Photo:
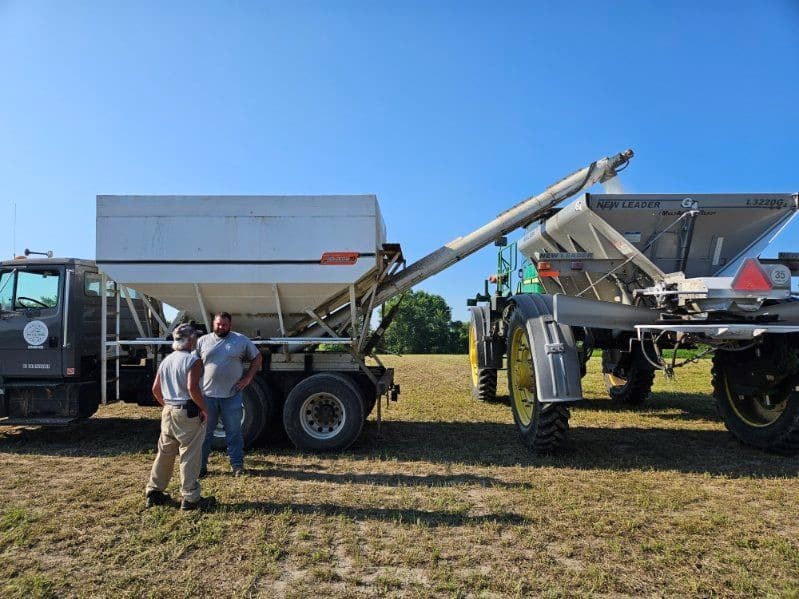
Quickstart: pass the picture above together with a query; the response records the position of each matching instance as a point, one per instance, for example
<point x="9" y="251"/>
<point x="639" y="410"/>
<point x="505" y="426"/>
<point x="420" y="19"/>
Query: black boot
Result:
<point x="155" y="497"/>
<point x="203" y="504"/>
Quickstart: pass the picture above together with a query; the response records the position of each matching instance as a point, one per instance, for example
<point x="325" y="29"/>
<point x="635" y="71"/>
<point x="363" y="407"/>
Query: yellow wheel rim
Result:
<point x="473" y="355"/>
<point x="522" y="377"/>
<point x="757" y="411"/>
<point x="611" y="380"/>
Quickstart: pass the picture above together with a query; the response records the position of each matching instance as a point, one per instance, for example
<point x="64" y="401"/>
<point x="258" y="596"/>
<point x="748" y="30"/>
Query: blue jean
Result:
<point x="230" y="409"/>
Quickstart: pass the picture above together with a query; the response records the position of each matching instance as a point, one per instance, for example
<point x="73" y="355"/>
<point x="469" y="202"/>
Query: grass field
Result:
<point x="443" y="500"/>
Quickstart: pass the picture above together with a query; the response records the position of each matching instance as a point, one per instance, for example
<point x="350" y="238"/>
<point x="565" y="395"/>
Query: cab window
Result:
<point x="25" y="289"/>
<point x="91" y="286"/>
<point x="7" y="290"/>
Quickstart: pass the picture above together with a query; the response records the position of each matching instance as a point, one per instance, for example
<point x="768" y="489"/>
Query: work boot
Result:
<point x="238" y="471"/>
<point x="202" y="504"/>
<point x="155" y="497"/>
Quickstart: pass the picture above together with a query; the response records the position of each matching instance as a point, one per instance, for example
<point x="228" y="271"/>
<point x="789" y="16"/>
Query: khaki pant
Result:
<point x="184" y="436"/>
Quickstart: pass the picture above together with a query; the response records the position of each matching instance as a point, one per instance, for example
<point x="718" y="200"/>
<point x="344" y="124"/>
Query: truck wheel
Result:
<point x="483" y="380"/>
<point x="627" y="383"/>
<point x="258" y="404"/>
<point x="543" y="427"/>
<point x="755" y="411"/>
<point x="324" y="412"/>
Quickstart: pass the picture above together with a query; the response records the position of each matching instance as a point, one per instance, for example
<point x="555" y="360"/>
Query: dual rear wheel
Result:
<point x="323" y="412"/>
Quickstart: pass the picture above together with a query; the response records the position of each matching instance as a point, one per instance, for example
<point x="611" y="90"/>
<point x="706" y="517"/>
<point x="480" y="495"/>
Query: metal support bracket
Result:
<point x="202" y="307"/>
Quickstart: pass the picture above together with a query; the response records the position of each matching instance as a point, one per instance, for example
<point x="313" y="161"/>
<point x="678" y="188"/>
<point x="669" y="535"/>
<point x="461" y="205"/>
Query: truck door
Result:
<point x="31" y="321"/>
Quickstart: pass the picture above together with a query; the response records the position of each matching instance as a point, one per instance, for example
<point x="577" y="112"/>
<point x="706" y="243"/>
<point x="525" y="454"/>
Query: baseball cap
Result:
<point x="183" y="331"/>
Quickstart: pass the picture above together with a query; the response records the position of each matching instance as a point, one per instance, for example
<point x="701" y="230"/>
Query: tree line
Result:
<point x="423" y="325"/>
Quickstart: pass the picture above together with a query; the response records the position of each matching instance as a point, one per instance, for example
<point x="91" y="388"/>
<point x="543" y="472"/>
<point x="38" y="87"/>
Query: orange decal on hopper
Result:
<point x="339" y="258"/>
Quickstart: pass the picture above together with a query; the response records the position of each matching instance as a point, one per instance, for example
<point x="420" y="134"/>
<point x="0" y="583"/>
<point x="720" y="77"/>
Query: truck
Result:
<point x="50" y="340"/>
<point x="638" y="277"/>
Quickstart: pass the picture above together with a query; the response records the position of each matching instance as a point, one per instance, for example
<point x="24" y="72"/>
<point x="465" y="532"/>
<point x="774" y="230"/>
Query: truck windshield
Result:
<point x="22" y="289"/>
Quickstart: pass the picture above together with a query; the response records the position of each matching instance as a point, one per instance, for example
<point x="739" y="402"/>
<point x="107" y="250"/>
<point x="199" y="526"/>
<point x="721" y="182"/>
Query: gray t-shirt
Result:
<point x="174" y="374"/>
<point x="224" y="359"/>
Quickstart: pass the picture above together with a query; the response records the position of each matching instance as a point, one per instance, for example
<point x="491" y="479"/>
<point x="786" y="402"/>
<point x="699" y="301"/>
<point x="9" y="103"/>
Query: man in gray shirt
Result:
<point x="223" y="353"/>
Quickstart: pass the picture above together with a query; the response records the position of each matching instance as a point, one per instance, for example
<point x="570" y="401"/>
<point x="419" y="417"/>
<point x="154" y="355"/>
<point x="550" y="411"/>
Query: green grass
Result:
<point x="441" y="499"/>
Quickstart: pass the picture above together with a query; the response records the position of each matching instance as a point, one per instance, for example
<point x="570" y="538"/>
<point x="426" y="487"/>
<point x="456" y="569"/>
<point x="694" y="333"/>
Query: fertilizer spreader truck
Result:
<point x="632" y="276"/>
<point x="300" y="273"/>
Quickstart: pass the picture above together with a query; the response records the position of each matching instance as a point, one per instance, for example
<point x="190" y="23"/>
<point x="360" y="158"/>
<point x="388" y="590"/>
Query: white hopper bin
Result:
<point x="244" y="254"/>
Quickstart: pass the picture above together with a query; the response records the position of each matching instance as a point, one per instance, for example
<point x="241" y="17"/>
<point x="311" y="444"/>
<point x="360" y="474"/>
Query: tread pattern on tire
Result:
<point x="486" y="389"/>
<point x="636" y="390"/>
<point x="553" y="428"/>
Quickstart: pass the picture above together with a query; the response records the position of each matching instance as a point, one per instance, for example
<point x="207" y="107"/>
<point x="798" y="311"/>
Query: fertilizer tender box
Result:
<point x="274" y="263"/>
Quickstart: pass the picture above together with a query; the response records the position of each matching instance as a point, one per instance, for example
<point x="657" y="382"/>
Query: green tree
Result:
<point x="423" y="325"/>
<point x="459" y="337"/>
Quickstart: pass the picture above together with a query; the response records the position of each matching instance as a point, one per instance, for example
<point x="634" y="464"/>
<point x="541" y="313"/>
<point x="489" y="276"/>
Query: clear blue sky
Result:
<point x="449" y="111"/>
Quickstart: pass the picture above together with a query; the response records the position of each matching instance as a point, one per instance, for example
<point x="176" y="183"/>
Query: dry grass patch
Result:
<point x="442" y="500"/>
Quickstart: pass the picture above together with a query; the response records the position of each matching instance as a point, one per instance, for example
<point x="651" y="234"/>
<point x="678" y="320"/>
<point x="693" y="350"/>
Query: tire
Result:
<point x="543" y="427"/>
<point x="258" y="405"/>
<point x="483" y="380"/>
<point x="628" y="383"/>
<point x="757" y="412"/>
<point x="324" y="412"/>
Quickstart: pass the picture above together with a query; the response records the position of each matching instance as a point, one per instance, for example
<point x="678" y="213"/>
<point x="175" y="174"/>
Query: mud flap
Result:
<point x="555" y="359"/>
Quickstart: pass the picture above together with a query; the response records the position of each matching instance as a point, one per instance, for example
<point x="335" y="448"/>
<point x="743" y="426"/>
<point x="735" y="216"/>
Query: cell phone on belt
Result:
<point x="192" y="409"/>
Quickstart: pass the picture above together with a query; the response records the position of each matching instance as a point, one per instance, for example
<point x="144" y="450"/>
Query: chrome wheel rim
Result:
<point x="323" y="415"/>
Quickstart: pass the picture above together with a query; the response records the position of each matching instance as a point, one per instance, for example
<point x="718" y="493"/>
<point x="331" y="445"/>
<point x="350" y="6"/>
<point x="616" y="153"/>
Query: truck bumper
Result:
<point x="47" y="399"/>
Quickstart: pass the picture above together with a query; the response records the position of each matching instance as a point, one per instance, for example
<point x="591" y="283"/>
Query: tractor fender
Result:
<point x="489" y="350"/>
<point x="554" y="351"/>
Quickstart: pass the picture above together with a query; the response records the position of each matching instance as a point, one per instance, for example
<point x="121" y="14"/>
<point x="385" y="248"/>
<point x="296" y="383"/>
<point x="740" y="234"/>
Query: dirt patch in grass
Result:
<point x="441" y="500"/>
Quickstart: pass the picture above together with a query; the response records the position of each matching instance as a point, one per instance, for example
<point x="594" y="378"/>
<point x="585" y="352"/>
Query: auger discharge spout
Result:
<point x="520" y="215"/>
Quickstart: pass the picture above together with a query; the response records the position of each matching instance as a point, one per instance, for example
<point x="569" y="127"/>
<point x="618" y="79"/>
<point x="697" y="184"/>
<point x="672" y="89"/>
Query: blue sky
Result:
<point x="449" y="111"/>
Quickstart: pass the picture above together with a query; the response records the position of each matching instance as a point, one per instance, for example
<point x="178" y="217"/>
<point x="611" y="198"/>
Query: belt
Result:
<point x="182" y="406"/>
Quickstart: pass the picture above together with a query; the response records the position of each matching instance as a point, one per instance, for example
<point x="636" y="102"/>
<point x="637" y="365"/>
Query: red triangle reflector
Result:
<point x="751" y="277"/>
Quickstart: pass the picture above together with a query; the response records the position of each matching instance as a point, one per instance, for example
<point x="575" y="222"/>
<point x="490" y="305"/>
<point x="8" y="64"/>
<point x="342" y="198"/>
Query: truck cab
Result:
<point x="50" y="345"/>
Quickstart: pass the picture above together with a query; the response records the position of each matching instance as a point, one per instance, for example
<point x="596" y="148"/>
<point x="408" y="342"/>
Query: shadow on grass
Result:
<point x="384" y="480"/>
<point x="484" y="444"/>
<point x="713" y="452"/>
<point x="690" y="407"/>
<point x="409" y="516"/>
<point x="85" y="438"/>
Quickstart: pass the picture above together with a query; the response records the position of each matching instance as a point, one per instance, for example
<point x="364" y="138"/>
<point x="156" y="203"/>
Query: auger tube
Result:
<point x="518" y="216"/>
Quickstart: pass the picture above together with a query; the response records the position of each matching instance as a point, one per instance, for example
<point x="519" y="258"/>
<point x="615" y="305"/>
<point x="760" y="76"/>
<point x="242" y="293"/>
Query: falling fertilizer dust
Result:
<point x="613" y="185"/>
